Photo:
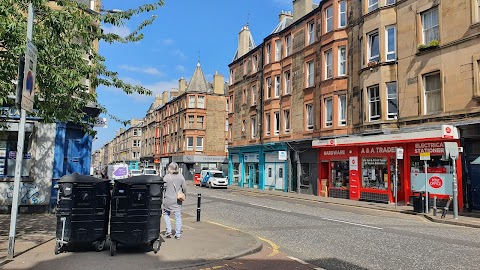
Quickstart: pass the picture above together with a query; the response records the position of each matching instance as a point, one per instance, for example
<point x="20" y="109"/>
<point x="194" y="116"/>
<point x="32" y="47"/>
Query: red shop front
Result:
<point x="337" y="176"/>
<point x="363" y="168"/>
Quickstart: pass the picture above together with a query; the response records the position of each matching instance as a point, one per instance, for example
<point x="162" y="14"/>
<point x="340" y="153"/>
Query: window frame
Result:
<point x="254" y="95"/>
<point x="255" y="63"/>
<point x="277" y="90"/>
<point x="278" y="50"/>
<point x="342" y="110"/>
<point x="373" y="58"/>
<point x="309" y="113"/>
<point x="311" y="32"/>
<point x="310" y="74"/>
<point x="288" y="45"/>
<point x="423" y="18"/>
<point x="191" y="124"/>
<point x="391" y="115"/>
<point x="287" y="82"/>
<point x="286" y="121"/>
<point x="342" y="61"/>
<point x="425" y="99"/>
<point x="328" y="63"/>
<point x="201" y="105"/>
<point x="197" y="146"/>
<point x="202" y="118"/>
<point x="190" y="102"/>
<point x="328" y="102"/>
<point x="190" y="147"/>
<point x="267" y="124"/>
<point x="372" y="5"/>
<point x="268" y="84"/>
<point x="329" y="19"/>
<point x="253" y="127"/>
<point x="276" y="123"/>
<point x="387" y="43"/>
<point x="340" y="13"/>
<point x="268" y="54"/>
<point x="226" y="124"/>
<point x="375" y="100"/>
<point x="390" y="2"/>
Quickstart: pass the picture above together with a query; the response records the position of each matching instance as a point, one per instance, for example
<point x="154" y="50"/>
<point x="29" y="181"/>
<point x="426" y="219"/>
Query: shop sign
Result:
<point x="374" y="161"/>
<point x="425" y="156"/>
<point x="399" y="153"/>
<point x="336" y="152"/>
<point x="438" y="183"/>
<point x="433" y="148"/>
<point x="250" y="157"/>
<point x="435" y="182"/>
<point x="282" y="155"/>
<point x="378" y="150"/>
<point x="353" y="163"/>
<point x="447" y="131"/>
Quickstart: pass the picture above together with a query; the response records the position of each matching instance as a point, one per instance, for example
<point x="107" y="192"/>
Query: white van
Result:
<point x="213" y="178"/>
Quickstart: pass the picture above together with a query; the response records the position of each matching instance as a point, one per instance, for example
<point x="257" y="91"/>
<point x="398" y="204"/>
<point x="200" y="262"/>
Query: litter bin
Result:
<point x="136" y="211"/>
<point x="419" y="201"/>
<point x="82" y="211"/>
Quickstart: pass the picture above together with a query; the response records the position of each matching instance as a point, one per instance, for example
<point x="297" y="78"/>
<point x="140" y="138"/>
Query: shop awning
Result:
<point x="445" y="132"/>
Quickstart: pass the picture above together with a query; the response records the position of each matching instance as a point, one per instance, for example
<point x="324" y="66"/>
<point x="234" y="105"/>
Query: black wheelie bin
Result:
<point x="83" y="207"/>
<point x="136" y="211"/>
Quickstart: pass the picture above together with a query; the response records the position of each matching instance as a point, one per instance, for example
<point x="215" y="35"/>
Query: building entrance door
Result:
<point x="280" y="176"/>
<point x="269" y="175"/>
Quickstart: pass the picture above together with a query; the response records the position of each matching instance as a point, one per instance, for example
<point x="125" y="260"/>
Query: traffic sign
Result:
<point x="425" y="156"/>
<point x="29" y="72"/>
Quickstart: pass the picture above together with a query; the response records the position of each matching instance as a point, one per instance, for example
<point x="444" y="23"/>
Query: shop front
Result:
<point x="275" y="170"/>
<point x="366" y="167"/>
<point x="334" y="171"/>
<point x="251" y="172"/>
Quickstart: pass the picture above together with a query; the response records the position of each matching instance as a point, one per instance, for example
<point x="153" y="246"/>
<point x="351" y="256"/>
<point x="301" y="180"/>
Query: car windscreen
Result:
<point x="135" y="172"/>
<point x="218" y="175"/>
<point x="150" y="172"/>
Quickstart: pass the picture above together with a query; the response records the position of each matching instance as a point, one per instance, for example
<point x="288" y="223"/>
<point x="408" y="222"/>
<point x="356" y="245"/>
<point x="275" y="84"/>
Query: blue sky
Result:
<point x="170" y="49"/>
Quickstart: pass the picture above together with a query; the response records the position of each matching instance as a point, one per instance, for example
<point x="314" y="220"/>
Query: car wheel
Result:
<point x="209" y="185"/>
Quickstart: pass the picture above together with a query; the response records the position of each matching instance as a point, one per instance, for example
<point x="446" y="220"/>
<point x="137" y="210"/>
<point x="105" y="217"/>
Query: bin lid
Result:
<point x="142" y="179"/>
<point x="79" y="178"/>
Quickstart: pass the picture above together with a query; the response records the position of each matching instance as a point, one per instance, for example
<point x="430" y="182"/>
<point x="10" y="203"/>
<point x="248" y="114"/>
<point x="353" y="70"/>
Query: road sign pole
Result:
<point x="455" y="189"/>
<point x="19" y="157"/>
<point x="426" y="184"/>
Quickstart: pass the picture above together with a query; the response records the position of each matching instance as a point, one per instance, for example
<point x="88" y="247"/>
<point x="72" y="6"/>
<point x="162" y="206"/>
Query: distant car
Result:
<point x="135" y="173"/>
<point x="213" y="178"/>
<point x="149" y="172"/>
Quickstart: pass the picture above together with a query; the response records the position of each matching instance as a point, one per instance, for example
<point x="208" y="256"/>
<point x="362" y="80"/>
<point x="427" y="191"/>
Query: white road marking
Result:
<point x="352" y="223"/>
<point x="287" y="211"/>
<point x="304" y="263"/>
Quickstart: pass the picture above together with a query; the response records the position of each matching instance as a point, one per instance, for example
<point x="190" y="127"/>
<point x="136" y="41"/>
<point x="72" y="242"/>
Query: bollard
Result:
<point x="434" y="206"/>
<point x="199" y="203"/>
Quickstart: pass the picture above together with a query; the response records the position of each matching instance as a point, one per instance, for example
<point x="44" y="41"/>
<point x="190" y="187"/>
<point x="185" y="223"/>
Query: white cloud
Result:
<point x="180" y="54"/>
<point x="168" y="41"/>
<point x="122" y="31"/>
<point x="146" y="70"/>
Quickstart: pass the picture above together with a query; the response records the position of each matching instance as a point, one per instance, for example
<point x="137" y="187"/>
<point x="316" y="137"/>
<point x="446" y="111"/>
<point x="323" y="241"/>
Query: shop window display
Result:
<point x="339" y="174"/>
<point x="375" y="173"/>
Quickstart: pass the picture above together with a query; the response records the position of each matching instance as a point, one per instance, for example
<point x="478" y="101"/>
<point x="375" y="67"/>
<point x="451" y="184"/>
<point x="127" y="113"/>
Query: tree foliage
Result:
<point x="66" y="34"/>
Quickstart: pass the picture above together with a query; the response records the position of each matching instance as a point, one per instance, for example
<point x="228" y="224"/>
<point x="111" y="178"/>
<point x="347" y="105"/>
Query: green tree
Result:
<point x="66" y="33"/>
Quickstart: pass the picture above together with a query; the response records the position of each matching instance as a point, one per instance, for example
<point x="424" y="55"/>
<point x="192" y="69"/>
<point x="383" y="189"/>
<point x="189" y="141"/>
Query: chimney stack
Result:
<point x="284" y="14"/>
<point x="218" y="84"/>
<point x="301" y="8"/>
<point x="182" y="85"/>
<point x="244" y="41"/>
<point x="165" y="97"/>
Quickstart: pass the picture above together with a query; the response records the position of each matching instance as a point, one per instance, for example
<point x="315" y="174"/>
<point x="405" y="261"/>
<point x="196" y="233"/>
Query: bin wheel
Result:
<point x="58" y="248"/>
<point x="113" y="248"/>
<point x="99" y="245"/>
<point x="156" y="246"/>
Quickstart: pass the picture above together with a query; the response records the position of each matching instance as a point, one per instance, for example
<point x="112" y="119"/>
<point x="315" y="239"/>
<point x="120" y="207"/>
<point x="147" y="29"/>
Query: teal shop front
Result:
<point x="259" y="167"/>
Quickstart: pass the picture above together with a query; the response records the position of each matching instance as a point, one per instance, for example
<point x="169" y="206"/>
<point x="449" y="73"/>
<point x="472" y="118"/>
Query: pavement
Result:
<point x="202" y="243"/>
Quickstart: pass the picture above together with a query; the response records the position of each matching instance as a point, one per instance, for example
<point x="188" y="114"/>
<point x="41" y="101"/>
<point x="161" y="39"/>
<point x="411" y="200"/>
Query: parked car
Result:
<point x="213" y="178"/>
<point x="135" y="172"/>
<point x="149" y="171"/>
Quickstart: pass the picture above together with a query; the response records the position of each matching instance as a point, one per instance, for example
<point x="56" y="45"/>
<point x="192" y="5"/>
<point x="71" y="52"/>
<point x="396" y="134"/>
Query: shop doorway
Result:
<point x="280" y="175"/>
<point x="274" y="176"/>
<point x="474" y="175"/>
<point x="251" y="176"/>
<point x="270" y="175"/>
